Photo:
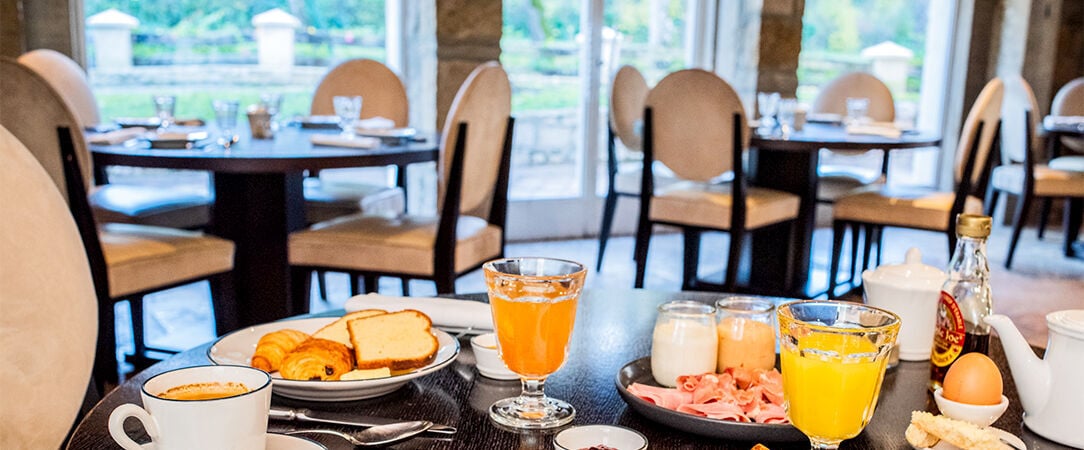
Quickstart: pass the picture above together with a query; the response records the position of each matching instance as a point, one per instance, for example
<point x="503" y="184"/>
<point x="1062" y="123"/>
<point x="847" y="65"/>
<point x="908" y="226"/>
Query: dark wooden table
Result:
<point x="1074" y="207"/>
<point x="612" y="328"/>
<point x="789" y="163"/>
<point x="259" y="200"/>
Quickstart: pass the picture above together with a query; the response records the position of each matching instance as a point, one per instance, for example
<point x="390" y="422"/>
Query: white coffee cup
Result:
<point x="236" y="421"/>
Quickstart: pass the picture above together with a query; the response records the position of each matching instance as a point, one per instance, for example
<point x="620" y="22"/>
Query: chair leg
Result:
<point x="1074" y="215"/>
<point x="301" y="288"/>
<point x="737" y="238"/>
<point x="406" y="286"/>
<point x="1044" y="212"/>
<point x="690" y="260"/>
<point x="372" y="284"/>
<point x="225" y="303"/>
<point x="445" y="283"/>
<point x="1022" y="205"/>
<point x="878" y="238"/>
<point x="138" y="359"/>
<point x="105" y="357"/>
<point x="643" y="238"/>
<point x="872" y="235"/>
<point x="321" y="284"/>
<point x="838" y="228"/>
<point x="990" y="203"/>
<point x="604" y="229"/>
<point x="854" y="250"/>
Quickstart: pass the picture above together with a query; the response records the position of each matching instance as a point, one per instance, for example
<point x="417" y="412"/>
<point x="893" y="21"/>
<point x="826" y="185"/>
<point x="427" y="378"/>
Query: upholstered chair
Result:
<point x="1022" y="174"/>
<point x="1069" y="101"/>
<point x="837" y="179"/>
<point x="468" y="230"/>
<point x="129" y="261"/>
<point x="182" y="206"/>
<point x="628" y="91"/>
<point x="878" y="206"/>
<point x="49" y="319"/>
<point x="695" y="125"/>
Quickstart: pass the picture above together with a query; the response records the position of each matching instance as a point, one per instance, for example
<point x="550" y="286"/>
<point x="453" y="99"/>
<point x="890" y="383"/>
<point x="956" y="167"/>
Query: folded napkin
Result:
<point x="375" y="123"/>
<point x="337" y="140"/>
<point x="115" y="136"/>
<point x="875" y="130"/>
<point x="444" y="312"/>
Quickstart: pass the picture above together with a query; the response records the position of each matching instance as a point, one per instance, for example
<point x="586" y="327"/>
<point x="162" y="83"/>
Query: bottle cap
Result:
<point x="973" y="225"/>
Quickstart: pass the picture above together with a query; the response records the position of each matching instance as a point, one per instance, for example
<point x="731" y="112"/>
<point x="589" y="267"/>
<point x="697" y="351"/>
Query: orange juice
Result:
<point x="533" y="332"/>
<point x="829" y="396"/>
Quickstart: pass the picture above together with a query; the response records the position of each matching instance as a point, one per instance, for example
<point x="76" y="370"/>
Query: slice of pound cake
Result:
<point x="399" y="340"/>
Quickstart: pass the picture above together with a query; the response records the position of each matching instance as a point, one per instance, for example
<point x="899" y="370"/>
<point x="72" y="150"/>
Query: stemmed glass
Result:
<point x="163" y="109"/>
<point x="833" y="356"/>
<point x="226" y="120"/>
<point x="348" y="108"/>
<point x="767" y="104"/>
<point x="786" y="109"/>
<point x="534" y="308"/>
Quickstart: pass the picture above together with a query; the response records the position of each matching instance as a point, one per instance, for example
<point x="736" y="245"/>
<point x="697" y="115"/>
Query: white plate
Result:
<point x="277" y="441"/>
<point x="238" y="347"/>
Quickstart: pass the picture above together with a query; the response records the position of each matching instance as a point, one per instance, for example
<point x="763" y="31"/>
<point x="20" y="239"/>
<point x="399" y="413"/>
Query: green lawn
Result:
<point x="196" y="102"/>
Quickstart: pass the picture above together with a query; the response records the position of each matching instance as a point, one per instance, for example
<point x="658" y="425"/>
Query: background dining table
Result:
<point x="613" y="328"/>
<point x="1055" y="129"/>
<point x="789" y="163"/>
<point x="259" y="199"/>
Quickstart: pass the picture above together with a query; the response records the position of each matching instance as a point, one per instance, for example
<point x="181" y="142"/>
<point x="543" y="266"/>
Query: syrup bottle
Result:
<point x="965" y="299"/>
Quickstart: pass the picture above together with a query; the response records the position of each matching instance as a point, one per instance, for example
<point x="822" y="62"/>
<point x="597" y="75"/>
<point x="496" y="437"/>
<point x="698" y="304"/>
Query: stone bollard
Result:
<point x="275" y="39"/>
<point x="111" y="33"/>
<point x="890" y="62"/>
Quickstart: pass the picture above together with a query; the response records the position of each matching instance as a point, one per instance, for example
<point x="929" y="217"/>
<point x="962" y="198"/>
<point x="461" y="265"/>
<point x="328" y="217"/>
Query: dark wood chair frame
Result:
<point x="106" y="368"/>
<point x="691" y="234"/>
<point x="444" y="273"/>
<point x="612" y="194"/>
<point x="874" y="232"/>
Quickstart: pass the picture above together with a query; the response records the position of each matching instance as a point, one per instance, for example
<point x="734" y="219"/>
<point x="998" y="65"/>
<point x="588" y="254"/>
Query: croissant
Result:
<point x="317" y="359"/>
<point x="274" y="346"/>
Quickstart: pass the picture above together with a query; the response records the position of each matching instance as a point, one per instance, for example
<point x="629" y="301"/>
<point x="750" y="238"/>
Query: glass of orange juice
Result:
<point x="534" y="307"/>
<point x="833" y="356"/>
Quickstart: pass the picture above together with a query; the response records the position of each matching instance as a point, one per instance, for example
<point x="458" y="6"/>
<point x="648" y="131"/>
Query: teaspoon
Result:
<point x="377" y="435"/>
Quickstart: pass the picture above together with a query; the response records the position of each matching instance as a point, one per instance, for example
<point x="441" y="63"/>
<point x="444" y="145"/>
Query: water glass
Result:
<point x="746" y="329"/>
<point x="534" y="308"/>
<point x="348" y="108"/>
<point x="785" y="110"/>
<point x="767" y="105"/>
<point x="226" y="120"/>
<point x="857" y="110"/>
<point x="833" y="356"/>
<point x="163" y="109"/>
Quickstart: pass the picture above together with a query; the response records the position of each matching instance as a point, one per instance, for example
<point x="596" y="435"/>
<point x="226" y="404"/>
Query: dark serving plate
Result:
<point x="639" y="371"/>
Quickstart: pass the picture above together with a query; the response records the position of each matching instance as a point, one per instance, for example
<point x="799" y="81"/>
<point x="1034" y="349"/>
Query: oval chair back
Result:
<point x="69" y="79"/>
<point x="628" y="94"/>
<point x="833" y="96"/>
<point x="382" y="92"/>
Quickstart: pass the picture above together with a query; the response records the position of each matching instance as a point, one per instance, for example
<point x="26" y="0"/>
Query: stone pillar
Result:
<point x="275" y="39"/>
<point x="890" y="62"/>
<point x="780" y="44"/>
<point x="111" y="33"/>
<point x="468" y="34"/>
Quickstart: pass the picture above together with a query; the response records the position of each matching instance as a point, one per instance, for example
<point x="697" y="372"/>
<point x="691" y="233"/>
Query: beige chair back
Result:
<point x="627" y="97"/>
<point x="1015" y="138"/>
<point x="32" y="110"/>
<point x="985" y="110"/>
<point x="693" y="122"/>
<point x="69" y="79"/>
<point x="833" y="97"/>
<point x="484" y="103"/>
<point x="1069" y="101"/>
<point x="382" y="93"/>
<point x="48" y="307"/>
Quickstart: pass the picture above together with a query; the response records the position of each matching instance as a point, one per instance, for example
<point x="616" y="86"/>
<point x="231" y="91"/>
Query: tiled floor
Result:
<point x="1042" y="279"/>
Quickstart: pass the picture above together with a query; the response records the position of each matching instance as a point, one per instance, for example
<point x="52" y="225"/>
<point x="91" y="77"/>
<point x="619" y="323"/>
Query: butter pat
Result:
<point x="366" y="374"/>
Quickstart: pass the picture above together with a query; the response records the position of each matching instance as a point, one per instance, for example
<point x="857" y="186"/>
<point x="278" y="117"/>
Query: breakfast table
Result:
<point x="259" y="200"/>
<point x="789" y="163"/>
<point x="613" y="329"/>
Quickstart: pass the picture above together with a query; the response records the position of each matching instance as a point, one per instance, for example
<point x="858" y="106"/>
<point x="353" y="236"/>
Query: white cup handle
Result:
<point x="116" y="425"/>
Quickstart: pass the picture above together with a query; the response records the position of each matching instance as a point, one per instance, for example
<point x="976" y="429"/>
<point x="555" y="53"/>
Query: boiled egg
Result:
<point x="973" y="379"/>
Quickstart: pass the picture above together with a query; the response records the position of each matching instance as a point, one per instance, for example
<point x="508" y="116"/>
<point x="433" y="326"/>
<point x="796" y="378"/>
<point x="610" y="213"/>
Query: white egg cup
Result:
<point x="584" y="436"/>
<point x="981" y="415"/>
<point x="487" y="360"/>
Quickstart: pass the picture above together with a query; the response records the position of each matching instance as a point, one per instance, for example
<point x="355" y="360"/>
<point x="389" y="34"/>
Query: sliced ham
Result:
<point x="770" y="413"/>
<point x="717" y="410"/>
<point x="664" y="397"/>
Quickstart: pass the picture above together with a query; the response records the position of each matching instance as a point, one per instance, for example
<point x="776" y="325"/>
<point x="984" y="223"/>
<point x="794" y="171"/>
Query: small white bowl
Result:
<point x="585" y="436"/>
<point x="981" y="415"/>
<point x="487" y="360"/>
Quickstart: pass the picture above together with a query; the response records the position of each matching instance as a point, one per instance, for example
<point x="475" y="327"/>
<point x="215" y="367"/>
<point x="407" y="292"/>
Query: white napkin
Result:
<point x="875" y="130"/>
<point x="444" y="312"/>
<point x="374" y="123"/>
<point x="336" y="140"/>
<point x="115" y="136"/>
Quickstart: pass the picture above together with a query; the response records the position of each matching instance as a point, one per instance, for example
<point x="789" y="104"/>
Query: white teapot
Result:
<point x="1050" y="389"/>
<point x="910" y="290"/>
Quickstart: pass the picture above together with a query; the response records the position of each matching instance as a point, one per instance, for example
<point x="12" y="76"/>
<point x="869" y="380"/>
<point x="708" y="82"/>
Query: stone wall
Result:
<point x="468" y="34"/>
<point x="780" y="43"/>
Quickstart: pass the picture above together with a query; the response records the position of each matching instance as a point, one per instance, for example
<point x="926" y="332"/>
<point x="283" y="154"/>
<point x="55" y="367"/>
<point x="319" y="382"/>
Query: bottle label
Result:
<point x="948" y="340"/>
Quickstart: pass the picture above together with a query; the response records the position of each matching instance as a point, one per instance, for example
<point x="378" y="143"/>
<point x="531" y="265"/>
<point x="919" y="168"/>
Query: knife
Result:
<point x="338" y="418"/>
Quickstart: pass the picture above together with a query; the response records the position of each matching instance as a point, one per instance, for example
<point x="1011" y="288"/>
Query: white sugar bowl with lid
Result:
<point x="912" y="290"/>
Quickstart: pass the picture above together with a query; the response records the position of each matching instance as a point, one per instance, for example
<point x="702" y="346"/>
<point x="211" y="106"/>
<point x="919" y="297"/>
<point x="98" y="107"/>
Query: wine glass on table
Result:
<point x="226" y="120"/>
<point x="348" y="108"/>
<point x="833" y="356"/>
<point x="534" y="308"/>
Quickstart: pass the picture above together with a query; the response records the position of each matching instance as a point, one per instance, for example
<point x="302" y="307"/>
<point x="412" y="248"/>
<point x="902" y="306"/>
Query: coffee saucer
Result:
<point x="283" y="442"/>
